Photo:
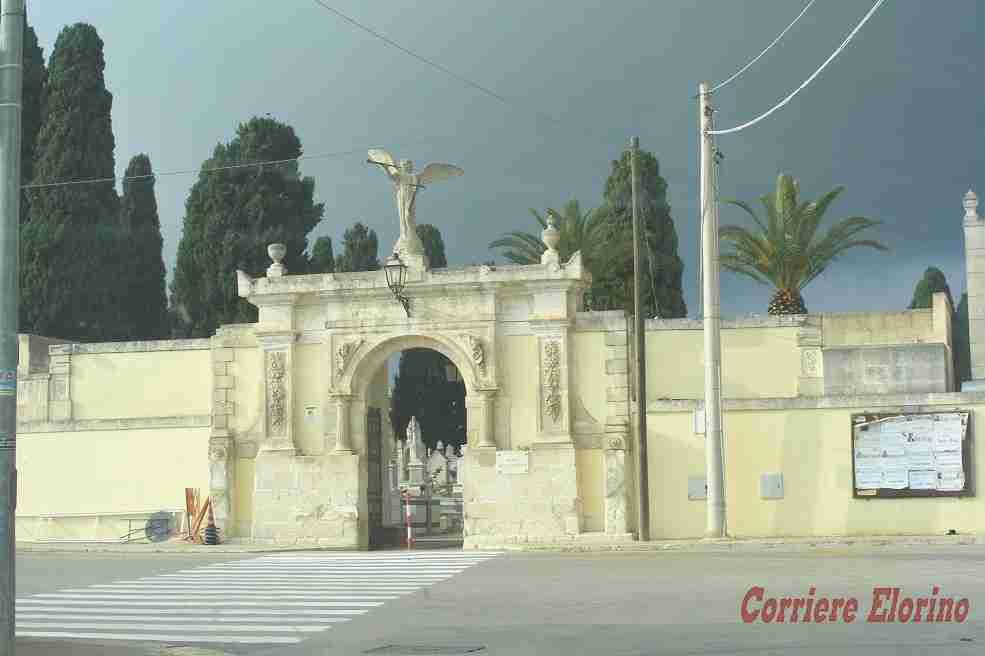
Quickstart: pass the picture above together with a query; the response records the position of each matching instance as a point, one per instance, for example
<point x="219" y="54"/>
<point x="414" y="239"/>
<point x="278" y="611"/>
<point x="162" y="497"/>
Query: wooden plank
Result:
<point x="199" y="518"/>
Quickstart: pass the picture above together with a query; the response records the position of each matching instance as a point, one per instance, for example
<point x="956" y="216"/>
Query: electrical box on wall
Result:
<point x="771" y="486"/>
<point x="697" y="487"/>
<point x="699" y="422"/>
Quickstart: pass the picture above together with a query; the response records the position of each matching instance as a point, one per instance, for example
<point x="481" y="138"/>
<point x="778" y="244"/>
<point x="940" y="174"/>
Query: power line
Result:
<point x="258" y="163"/>
<point x="429" y="62"/>
<point x="807" y="81"/>
<point x="65" y="183"/>
<point x="757" y="57"/>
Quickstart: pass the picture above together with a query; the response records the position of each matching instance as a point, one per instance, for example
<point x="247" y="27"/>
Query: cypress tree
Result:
<point x="69" y="239"/>
<point x="360" y="250"/>
<point x="434" y="245"/>
<point x="35" y="84"/>
<point x="662" y="269"/>
<point x="322" y="257"/>
<point x="231" y="216"/>
<point x="143" y="303"/>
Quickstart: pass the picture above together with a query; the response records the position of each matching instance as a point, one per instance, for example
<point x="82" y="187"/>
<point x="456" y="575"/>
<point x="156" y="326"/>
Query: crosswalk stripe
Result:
<point x="197" y="594"/>
<point x="274" y="599"/>
<point x="243" y="612"/>
<point x="162" y="637"/>
<point x="190" y="628"/>
<point x="232" y="588"/>
<point x="188" y="619"/>
<point x="285" y="604"/>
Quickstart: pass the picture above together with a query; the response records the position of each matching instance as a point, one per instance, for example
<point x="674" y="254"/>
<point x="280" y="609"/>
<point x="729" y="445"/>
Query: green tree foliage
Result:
<point x="322" y="257"/>
<point x="961" y="342"/>
<point x="68" y="242"/>
<point x="785" y="250"/>
<point x="360" y="249"/>
<point x="434" y="245"/>
<point x="933" y="281"/>
<point x="662" y="269"/>
<point x="143" y="301"/>
<point x="582" y="232"/>
<point x="35" y="85"/>
<point x="422" y="389"/>
<point x="231" y="216"/>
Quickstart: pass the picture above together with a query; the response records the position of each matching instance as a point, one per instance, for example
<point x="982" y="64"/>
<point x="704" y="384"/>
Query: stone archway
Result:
<point x="514" y="333"/>
<point x="357" y="364"/>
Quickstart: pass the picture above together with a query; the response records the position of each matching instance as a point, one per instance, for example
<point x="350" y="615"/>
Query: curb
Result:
<point x="734" y="545"/>
<point x="696" y="546"/>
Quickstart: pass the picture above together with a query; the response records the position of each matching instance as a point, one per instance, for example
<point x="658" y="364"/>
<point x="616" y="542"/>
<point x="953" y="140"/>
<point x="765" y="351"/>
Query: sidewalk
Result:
<point x="580" y="544"/>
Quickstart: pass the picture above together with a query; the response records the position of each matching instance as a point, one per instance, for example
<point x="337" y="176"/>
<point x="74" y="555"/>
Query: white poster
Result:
<point x="892" y="444"/>
<point x="923" y="480"/>
<point x="917" y="452"/>
<point x="920" y="461"/>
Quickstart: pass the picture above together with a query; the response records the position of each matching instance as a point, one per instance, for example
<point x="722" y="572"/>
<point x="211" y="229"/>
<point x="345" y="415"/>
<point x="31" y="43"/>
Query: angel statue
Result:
<point x="407" y="183"/>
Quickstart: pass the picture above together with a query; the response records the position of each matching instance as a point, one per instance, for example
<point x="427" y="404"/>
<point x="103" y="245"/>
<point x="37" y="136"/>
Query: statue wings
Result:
<point x="383" y="157"/>
<point x="438" y="172"/>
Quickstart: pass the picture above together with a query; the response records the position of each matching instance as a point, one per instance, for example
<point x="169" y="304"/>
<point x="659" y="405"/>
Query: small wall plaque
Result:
<point x="512" y="462"/>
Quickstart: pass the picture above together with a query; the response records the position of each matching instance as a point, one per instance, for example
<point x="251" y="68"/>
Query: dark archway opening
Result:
<point x="423" y="384"/>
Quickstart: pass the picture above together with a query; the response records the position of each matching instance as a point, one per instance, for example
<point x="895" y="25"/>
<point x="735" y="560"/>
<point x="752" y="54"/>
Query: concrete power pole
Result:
<point x="11" y="57"/>
<point x="714" y="471"/>
<point x="640" y="349"/>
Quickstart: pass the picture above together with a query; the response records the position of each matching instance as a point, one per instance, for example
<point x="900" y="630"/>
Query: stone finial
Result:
<point x="970" y="206"/>
<point x="276" y="253"/>
<point x="551" y="237"/>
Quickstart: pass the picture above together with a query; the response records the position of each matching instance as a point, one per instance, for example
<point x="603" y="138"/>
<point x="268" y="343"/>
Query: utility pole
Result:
<point x="11" y="56"/>
<point x="640" y="349"/>
<point x="714" y="471"/>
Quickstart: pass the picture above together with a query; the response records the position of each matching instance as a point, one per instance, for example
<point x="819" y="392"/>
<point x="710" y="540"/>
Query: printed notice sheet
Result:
<point x="916" y="452"/>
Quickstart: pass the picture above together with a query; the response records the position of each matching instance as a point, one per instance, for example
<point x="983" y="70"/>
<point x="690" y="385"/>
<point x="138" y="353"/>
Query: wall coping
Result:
<point x="824" y="402"/>
<point x="132" y="347"/>
<point x="121" y="423"/>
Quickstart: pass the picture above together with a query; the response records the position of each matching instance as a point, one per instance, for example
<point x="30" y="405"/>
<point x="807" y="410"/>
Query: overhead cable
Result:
<point x="807" y="81"/>
<point x="427" y="61"/>
<point x="757" y="57"/>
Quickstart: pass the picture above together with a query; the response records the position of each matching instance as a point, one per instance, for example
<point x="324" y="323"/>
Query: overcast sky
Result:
<point x="897" y="118"/>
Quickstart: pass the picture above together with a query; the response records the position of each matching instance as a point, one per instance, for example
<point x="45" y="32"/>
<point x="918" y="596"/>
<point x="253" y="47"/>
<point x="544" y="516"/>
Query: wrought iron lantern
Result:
<point x="396" y="278"/>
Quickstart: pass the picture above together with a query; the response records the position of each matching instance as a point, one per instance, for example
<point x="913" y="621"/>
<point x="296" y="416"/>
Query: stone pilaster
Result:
<point x="221" y="478"/>
<point x="617" y="378"/>
<point x="221" y="481"/>
<point x="487" y="430"/>
<point x="278" y="351"/>
<point x="60" y="390"/>
<point x="343" y="427"/>
<point x="974" y="250"/>
<point x="616" y="489"/>
<point x="809" y="341"/>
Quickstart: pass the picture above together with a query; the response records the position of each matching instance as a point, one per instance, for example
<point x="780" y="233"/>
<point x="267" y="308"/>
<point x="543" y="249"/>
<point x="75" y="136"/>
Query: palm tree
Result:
<point x="785" y="251"/>
<point x="580" y="232"/>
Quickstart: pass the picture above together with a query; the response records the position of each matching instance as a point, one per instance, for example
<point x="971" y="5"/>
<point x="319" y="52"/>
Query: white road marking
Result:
<point x="254" y="601"/>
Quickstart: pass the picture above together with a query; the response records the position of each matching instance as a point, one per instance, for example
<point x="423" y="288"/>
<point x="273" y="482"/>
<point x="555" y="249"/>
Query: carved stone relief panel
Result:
<point x="551" y="369"/>
<point x="344" y="353"/>
<point x="477" y="353"/>
<point x="276" y="393"/>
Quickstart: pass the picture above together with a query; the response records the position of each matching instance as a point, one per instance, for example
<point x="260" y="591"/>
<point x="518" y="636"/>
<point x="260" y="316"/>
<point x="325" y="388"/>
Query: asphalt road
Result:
<point x="446" y="602"/>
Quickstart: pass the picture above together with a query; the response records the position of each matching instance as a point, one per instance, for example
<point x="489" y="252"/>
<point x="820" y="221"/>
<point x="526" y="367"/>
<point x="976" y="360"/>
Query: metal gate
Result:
<point x="374" y="497"/>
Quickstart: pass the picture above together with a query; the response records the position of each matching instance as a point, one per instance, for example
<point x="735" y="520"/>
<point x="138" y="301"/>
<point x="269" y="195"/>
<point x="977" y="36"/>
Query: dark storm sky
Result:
<point x="897" y="118"/>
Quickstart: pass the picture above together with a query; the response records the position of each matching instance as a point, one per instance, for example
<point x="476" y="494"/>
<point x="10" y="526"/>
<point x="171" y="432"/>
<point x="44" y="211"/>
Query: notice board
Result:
<point x="922" y="454"/>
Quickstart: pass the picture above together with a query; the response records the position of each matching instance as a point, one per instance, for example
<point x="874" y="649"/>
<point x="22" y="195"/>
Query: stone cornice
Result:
<point x="124" y="423"/>
<point x="132" y="347"/>
<point x="275" y="338"/>
<point x="908" y="401"/>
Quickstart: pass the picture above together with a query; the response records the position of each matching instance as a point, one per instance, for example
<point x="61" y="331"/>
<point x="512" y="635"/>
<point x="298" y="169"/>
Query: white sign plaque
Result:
<point x="512" y="462"/>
